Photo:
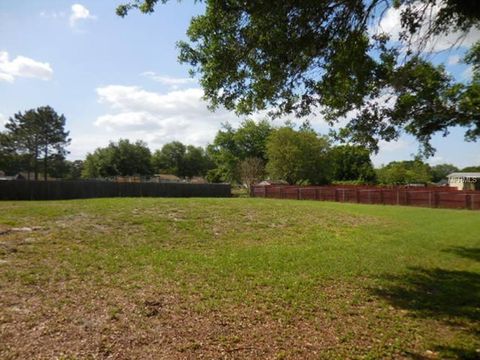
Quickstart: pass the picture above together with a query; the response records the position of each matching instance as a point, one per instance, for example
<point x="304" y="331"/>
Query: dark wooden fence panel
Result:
<point x="427" y="197"/>
<point x="307" y="194"/>
<point x="327" y="194"/>
<point x="453" y="200"/>
<point x="61" y="190"/>
<point x="475" y="201"/>
<point x="420" y="198"/>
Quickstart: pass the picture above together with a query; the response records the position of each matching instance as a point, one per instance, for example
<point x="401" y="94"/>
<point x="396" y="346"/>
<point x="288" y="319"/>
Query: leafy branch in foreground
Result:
<point x="299" y="58"/>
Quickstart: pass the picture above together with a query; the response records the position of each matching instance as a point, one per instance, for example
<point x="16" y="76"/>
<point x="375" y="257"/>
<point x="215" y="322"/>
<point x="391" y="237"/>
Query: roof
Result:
<point x="198" y="180"/>
<point x="272" y="182"/>
<point x="464" y="175"/>
<point x="167" y="177"/>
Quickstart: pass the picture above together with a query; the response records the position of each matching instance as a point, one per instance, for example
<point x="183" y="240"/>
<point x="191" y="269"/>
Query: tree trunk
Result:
<point x="45" y="163"/>
<point x="35" y="161"/>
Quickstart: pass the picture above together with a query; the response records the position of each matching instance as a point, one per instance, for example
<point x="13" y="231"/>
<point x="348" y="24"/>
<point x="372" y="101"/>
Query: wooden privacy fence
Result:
<point x="60" y="190"/>
<point x="428" y="197"/>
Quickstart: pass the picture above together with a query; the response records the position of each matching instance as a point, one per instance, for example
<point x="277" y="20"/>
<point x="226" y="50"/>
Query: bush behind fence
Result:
<point x="81" y="189"/>
<point x="427" y="197"/>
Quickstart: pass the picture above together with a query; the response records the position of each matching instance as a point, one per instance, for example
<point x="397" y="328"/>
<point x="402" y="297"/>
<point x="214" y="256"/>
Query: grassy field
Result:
<point x="237" y="278"/>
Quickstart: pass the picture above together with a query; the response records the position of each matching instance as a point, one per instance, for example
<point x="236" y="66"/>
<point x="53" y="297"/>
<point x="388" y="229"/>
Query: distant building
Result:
<point x="19" y="176"/>
<point x="128" y="179"/>
<point x="272" y="182"/>
<point x="198" y="180"/>
<point x="464" y="180"/>
<point x="443" y="182"/>
<point x="166" y="178"/>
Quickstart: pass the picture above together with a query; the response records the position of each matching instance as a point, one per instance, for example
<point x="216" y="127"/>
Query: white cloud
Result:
<point x="127" y="121"/>
<point x="435" y="160"/>
<point x="80" y="12"/>
<point x="52" y="14"/>
<point x="6" y="77"/>
<point x="454" y="60"/>
<point x="168" y="80"/>
<point x="402" y="149"/>
<point x="159" y="118"/>
<point x="391" y="24"/>
<point x="23" y="66"/>
<point x="391" y="146"/>
<point x="84" y="143"/>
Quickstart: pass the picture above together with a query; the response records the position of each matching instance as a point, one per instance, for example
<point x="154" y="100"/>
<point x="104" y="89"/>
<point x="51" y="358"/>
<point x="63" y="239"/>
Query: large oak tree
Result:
<point x="232" y="146"/>
<point x="122" y="158"/>
<point x="298" y="156"/>
<point x="185" y="161"/>
<point x="298" y="57"/>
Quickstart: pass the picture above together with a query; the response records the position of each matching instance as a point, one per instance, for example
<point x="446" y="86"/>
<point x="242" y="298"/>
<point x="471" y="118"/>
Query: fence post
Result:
<point x="316" y="194"/>
<point x="357" y="198"/>
<point x="436" y="198"/>
<point x="407" y="199"/>
<point x="398" y="196"/>
<point x="430" y="199"/>
<point x="299" y="194"/>
<point x="468" y="201"/>
<point x="381" y="197"/>
<point x="336" y="195"/>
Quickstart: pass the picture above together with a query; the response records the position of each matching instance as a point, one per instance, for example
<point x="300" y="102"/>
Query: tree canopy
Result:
<point x="440" y="171"/>
<point x="404" y="173"/>
<point x="298" y="157"/>
<point x="471" y="169"/>
<point x="182" y="160"/>
<point x="11" y="161"/>
<point x="231" y="146"/>
<point x="351" y="163"/>
<point x="122" y="158"/>
<point x="33" y="136"/>
<point x="299" y="57"/>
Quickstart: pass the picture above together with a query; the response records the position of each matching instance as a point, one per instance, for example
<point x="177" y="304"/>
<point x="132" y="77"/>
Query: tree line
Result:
<point x="35" y="142"/>
<point x="125" y="158"/>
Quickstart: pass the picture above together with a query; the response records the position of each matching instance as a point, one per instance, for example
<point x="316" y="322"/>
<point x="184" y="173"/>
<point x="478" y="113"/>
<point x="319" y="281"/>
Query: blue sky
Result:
<point x="119" y="78"/>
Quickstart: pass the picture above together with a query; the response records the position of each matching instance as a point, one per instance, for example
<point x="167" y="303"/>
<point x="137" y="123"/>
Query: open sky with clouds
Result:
<point x="119" y="78"/>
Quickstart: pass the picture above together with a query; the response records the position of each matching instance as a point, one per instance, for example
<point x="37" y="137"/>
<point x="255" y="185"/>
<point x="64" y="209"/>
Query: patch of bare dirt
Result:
<point x="5" y="230"/>
<point x="81" y="321"/>
<point x="11" y="239"/>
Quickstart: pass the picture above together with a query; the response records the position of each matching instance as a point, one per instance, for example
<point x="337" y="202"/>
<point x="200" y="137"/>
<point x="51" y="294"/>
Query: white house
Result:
<point x="464" y="180"/>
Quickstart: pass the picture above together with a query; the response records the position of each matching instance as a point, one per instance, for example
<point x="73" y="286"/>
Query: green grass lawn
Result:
<point x="237" y="278"/>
